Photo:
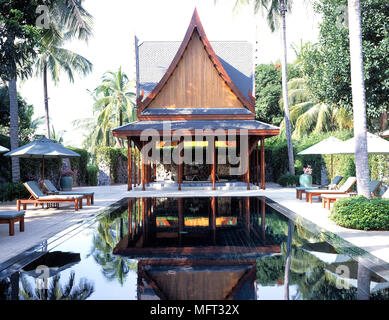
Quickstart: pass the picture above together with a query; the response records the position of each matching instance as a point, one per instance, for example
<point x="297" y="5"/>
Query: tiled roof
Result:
<point x="197" y="124"/>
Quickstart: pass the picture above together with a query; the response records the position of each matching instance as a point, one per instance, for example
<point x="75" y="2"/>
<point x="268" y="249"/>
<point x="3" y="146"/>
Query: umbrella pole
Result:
<point x="332" y="168"/>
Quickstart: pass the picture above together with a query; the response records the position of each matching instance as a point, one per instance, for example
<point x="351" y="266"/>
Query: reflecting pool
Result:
<point x="193" y="248"/>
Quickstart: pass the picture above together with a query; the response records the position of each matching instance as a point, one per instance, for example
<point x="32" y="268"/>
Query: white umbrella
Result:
<point x="42" y="148"/>
<point x="330" y="146"/>
<point x="2" y="149"/>
<point x="375" y="145"/>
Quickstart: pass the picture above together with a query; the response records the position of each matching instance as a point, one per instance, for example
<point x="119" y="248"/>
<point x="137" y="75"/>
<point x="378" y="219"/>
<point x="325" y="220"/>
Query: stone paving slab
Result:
<point x="42" y="224"/>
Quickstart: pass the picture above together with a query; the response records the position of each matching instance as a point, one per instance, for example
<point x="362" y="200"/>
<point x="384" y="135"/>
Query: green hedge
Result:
<point x="80" y="164"/>
<point x="287" y="180"/>
<point x="92" y="175"/>
<point x="361" y="213"/>
<point x="11" y="191"/>
<point x="276" y="156"/>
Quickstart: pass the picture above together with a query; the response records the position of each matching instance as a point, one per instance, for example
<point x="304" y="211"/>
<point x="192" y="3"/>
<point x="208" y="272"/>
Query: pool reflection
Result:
<point x="195" y="248"/>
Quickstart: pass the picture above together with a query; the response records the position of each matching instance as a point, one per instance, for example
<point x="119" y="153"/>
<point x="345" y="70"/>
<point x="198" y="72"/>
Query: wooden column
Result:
<point x="263" y="187"/>
<point x="257" y="163"/>
<point x="213" y="171"/>
<point x="139" y="168"/>
<point x="143" y="167"/>
<point x="247" y="176"/>
<point x="129" y="165"/>
<point x="155" y="171"/>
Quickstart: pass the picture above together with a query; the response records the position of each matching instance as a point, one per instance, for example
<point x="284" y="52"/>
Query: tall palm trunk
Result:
<point x="358" y="96"/>
<point x="285" y="89"/>
<point x="46" y="99"/>
<point x="14" y="126"/>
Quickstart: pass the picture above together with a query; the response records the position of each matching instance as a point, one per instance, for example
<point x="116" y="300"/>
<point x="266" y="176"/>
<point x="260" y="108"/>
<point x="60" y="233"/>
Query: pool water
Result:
<point x="206" y="248"/>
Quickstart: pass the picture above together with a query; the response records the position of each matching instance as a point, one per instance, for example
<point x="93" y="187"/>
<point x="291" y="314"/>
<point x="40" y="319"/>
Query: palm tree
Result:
<point x="13" y="127"/>
<point x="308" y="116"/>
<point x="53" y="58"/>
<point x="274" y="11"/>
<point x="114" y="102"/>
<point x="57" y="135"/>
<point x="283" y="10"/>
<point x="358" y="96"/>
<point x="56" y="292"/>
<point x="104" y="241"/>
<point x="73" y="16"/>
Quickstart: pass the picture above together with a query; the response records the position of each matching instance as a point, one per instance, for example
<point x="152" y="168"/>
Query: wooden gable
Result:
<point x="195" y="79"/>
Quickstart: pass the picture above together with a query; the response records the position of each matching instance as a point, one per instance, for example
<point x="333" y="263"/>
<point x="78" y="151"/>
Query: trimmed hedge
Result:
<point x="287" y="180"/>
<point x="80" y="164"/>
<point x="92" y="175"/>
<point x="361" y="213"/>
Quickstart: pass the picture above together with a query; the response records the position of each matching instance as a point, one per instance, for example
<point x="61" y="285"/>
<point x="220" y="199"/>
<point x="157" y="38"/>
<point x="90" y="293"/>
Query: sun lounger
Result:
<point x="301" y="190"/>
<point x="89" y="196"/>
<point x="10" y="217"/>
<point x="38" y="197"/>
<point x="345" y="188"/>
<point x="327" y="199"/>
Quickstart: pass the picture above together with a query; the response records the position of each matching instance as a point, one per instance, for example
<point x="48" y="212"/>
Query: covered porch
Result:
<point x="238" y="143"/>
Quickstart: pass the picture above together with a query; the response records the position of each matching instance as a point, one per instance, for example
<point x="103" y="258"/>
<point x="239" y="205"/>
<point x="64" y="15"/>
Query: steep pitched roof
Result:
<point x="196" y="26"/>
<point x="236" y="58"/>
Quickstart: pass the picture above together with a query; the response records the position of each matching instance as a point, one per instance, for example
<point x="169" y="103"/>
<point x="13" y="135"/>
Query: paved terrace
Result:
<point x="40" y="224"/>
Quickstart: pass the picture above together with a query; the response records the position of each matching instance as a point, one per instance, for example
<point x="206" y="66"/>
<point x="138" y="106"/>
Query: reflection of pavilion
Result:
<point x="203" y="248"/>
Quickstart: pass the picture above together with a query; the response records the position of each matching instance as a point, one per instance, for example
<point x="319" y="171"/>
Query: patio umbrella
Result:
<point x="42" y="148"/>
<point x="2" y="149"/>
<point x="56" y="261"/>
<point x="375" y="145"/>
<point x="330" y="146"/>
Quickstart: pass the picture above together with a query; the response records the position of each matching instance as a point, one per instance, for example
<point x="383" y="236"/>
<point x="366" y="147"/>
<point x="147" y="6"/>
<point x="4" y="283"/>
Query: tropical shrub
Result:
<point x="361" y="213"/>
<point x="92" y="172"/>
<point x="11" y="191"/>
<point x="268" y="91"/>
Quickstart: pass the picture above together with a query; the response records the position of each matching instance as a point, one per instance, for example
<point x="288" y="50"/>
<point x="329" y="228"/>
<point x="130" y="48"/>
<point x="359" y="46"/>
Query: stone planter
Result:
<point x="66" y="183"/>
<point x="305" y="180"/>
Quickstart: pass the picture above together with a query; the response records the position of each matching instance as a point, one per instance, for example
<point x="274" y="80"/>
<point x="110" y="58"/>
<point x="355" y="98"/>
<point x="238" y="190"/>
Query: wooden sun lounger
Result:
<point x="10" y="217"/>
<point x="38" y="197"/>
<point x="301" y="190"/>
<point x="89" y="196"/>
<point x="327" y="199"/>
<point x="345" y="188"/>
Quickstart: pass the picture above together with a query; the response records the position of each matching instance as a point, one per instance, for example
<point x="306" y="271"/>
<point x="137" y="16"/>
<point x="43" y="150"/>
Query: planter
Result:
<point x="66" y="183"/>
<point x="305" y="180"/>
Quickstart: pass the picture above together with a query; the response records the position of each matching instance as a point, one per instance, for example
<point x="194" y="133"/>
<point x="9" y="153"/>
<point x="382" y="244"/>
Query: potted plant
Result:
<point x="306" y="178"/>
<point x="66" y="181"/>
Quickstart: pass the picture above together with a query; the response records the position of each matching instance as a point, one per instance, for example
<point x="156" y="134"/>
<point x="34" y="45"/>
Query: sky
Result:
<point x="116" y="22"/>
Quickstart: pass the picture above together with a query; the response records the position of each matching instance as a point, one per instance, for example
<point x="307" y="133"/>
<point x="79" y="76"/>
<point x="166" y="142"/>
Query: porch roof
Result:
<point x="253" y="126"/>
